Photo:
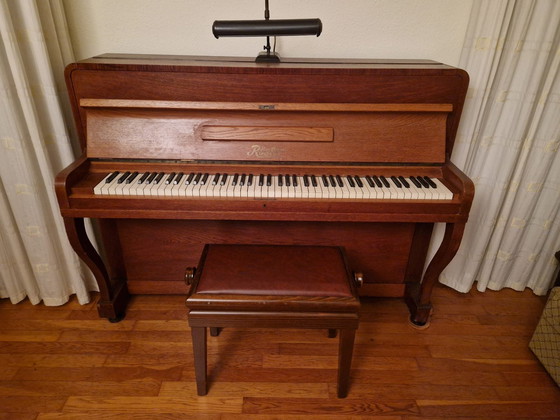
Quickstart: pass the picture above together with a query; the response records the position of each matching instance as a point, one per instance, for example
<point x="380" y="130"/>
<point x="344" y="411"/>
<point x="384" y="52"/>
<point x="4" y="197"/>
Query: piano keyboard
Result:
<point x="197" y="184"/>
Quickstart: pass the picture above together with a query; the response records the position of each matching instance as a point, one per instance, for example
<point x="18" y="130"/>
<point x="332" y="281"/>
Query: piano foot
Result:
<point x="115" y="310"/>
<point x="418" y="295"/>
<point x="421" y="324"/>
<point x="115" y="320"/>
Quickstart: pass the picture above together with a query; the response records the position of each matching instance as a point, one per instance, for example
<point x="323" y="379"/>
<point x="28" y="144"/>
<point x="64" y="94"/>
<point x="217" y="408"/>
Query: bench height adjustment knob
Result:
<point x="189" y="275"/>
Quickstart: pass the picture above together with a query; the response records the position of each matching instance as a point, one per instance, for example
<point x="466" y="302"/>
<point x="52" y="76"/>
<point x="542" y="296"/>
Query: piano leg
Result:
<point x="418" y="295"/>
<point x="113" y="294"/>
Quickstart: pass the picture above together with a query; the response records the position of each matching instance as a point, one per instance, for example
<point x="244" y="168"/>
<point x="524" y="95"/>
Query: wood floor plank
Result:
<point x="489" y="409"/>
<point x="69" y="347"/>
<point x="330" y="362"/>
<point x="53" y="360"/>
<point x="248" y="389"/>
<point x="42" y="336"/>
<point x="103" y="373"/>
<point x="346" y="406"/>
<point x="154" y="405"/>
<point x="145" y="387"/>
<point x="126" y="415"/>
<point x="16" y="405"/>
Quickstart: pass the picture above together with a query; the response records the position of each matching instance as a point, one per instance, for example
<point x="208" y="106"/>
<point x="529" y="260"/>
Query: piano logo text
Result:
<point x="263" y="152"/>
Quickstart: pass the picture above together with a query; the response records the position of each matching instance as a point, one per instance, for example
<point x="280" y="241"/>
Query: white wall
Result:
<point x="431" y="29"/>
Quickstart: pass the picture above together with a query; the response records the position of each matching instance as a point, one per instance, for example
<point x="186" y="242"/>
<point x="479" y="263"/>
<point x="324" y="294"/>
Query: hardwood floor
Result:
<point x="472" y="363"/>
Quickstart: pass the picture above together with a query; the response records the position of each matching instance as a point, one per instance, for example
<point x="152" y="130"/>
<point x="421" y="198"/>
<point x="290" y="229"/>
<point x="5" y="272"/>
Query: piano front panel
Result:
<point x="413" y="133"/>
<point x="156" y="252"/>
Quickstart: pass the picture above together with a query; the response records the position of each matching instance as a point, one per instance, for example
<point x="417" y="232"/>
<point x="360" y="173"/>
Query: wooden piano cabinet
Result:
<point x="215" y="115"/>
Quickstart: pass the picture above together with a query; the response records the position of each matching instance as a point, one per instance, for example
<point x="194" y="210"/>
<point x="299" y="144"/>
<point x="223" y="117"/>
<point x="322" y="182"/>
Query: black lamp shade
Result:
<point x="268" y="27"/>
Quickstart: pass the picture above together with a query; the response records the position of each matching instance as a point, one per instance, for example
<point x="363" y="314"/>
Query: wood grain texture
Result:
<point x="472" y="363"/>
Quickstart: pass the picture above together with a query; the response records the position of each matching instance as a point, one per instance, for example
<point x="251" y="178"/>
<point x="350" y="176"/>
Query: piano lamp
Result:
<point x="267" y="27"/>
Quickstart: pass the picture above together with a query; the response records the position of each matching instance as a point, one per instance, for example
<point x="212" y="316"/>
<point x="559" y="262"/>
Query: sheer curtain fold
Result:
<point x="36" y="259"/>
<point x="508" y="143"/>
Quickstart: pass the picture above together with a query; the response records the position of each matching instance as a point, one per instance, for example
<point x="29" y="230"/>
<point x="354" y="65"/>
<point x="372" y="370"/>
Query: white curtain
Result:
<point x="36" y="259"/>
<point x="508" y="144"/>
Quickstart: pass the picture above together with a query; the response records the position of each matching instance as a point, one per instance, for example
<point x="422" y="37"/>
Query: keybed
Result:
<point x="269" y="186"/>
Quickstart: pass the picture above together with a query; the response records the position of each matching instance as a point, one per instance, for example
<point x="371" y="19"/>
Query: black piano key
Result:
<point x="332" y="180"/>
<point x="280" y="180"/>
<point x="396" y="181"/>
<point x="112" y="177"/>
<point x="158" y="177"/>
<point x="404" y="182"/>
<point x="370" y="181"/>
<point x="358" y="181"/>
<point x="430" y="182"/>
<point x="294" y="180"/>
<point x="250" y="180"/>
<point x="423" y="182"/>
<point x="306" y="180"/>
<point x="224" y="179"/>
<point x="288" y="181"/>
<point x="350" y="181"/>
<point x="314" y="180"/>
<point x="216" y="179"/>
<point x="131" y="178"/>
<point x="242" y="180"/>
<point x="123" y="177"/>
<point x="204" y="178"/>
<point x="170" y="178"/>
<point x="151" y="177"/>
<point x="189" y="178"/>
<point x="339" y="181"/>
<point x="261" y="180"/>
<point x="377" y="181"/>
<point x="178" y="178"/>
<point x="325" y="180"/>
<point x="415" y="182"/>
<point x="269" y="180"/>
<point x="196" y="179"/>
<point x="235" y="179"/>
<point x="143" y="177"/>
<point x="384" y="181"/>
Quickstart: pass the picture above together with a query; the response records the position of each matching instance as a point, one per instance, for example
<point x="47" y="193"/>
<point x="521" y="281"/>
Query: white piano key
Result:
<point x="444" y="192"/>
<point x="99" y="187"/>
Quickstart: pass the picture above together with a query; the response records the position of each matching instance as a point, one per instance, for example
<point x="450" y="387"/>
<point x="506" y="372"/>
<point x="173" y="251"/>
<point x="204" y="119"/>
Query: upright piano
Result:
<point x="182" y="151"/>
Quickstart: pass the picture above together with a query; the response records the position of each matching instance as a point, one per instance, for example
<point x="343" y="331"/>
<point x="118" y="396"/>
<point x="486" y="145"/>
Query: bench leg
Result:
<point x="215" y="331"/>
<point x="345" y="349"/>
<point x="199" y="353"/>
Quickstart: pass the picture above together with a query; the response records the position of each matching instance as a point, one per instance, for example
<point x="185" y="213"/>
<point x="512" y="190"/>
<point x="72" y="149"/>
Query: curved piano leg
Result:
<point x="113" y="294"/>
<point x="418" y="295"/>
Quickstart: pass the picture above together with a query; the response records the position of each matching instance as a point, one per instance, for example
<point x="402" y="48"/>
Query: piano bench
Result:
<point x="273" y="286"/>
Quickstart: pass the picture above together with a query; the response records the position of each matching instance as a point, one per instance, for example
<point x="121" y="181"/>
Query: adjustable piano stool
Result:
<point x="276" y="286"/>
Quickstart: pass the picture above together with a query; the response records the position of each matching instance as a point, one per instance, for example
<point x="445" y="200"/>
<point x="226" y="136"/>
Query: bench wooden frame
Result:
<point x="278" y="310"/>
